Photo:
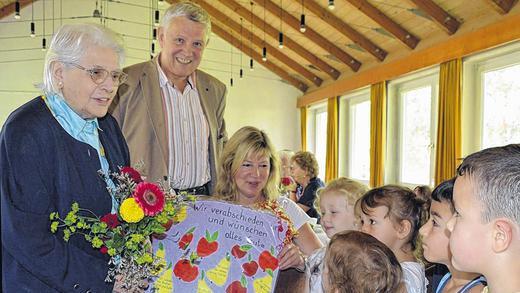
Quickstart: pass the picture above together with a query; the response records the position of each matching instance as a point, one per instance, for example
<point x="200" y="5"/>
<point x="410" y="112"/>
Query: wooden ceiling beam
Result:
<point x="311" y="34"/>
<point x="268" y="64"/>
<point x="503" y="6"/>
<point x="458" y="46"/>
<point x="215" y="13"/>
<point x="288" y="42"/>
<point x="346" y="30"/>
<point x="447" y="22"/>
<point x="386" y="22"/>
<point x="9" y="8"/>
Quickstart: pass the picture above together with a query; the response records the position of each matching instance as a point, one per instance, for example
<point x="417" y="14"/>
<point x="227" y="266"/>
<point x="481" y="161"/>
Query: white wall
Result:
<point x="260" y="99"/>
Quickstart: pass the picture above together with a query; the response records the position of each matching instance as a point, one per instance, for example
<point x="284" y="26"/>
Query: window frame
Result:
<point x="394" y="164"/>
<point x="473" y="91"/>
<point x="314" y="110"/>
<point x="347" y="102"/>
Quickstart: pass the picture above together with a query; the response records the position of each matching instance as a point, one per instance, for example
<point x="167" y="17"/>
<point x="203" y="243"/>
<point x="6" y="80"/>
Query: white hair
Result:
<point x="69" y="45"/>
<point x="191" y="11"/>
<point x="285" y="154"/>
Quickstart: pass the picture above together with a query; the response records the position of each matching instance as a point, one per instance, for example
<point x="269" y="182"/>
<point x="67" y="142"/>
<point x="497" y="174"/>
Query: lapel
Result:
<point x="205" y="102"/>
<point x="154" y="103"/>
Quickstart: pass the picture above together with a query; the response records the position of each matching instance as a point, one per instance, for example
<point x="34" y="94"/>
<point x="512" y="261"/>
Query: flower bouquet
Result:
<point x="287" y="184"/>
<point x="145" y="209"/>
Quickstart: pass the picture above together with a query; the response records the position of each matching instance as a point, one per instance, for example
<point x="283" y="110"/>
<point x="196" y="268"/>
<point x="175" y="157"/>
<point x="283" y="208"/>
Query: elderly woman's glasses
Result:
<point x="99" y="75"/>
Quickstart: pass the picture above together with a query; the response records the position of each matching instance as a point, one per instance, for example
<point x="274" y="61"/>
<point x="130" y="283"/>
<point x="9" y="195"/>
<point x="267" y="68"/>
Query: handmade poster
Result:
<point x="220" y="247"/>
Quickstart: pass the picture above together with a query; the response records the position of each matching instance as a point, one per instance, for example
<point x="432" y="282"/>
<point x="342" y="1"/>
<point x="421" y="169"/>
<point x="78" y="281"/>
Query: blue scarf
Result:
<point x="84" y="130"/>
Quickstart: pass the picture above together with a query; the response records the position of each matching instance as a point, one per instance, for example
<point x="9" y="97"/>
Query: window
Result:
<point x="492" y="101"/>
<point x="318" y="138"/>
<point x="359" y="167"/>
<point x="412" y="132"/>
<point x="416" y="139"/>
<point x="501" y="97"/>
<point x="354" y="146"/>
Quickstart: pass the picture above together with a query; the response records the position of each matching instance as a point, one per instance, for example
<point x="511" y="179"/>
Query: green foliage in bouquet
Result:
<point x="145" y="209"/>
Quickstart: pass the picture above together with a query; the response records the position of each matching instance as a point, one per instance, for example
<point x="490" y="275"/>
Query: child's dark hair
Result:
<point x="444" y="192"/>
<point x="402" y="203"/>
<point x="358" y="262"/>
<point x="423" y="191"/>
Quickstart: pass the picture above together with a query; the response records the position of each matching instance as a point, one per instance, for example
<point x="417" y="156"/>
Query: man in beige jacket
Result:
<point x="171" y="113"/>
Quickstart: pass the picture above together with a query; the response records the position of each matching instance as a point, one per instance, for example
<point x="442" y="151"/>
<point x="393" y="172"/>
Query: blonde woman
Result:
<point x="249" y="175"/>
<point x="304" y="170"/>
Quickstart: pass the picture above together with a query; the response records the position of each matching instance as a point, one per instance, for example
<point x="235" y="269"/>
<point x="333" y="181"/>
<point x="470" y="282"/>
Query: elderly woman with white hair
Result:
<point x="51" y="150"/>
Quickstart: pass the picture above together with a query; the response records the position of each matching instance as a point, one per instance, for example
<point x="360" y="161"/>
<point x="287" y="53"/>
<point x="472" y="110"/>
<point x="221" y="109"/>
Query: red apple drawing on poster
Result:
<point x="237" y="286"/>
<point x="186" y="239"/>
<point x="240" y="251"/>
<point x="185" y="270"/>
<point x="267" y="261"/>
<point x="250" y="268"/>
<point x="207" y="245"/>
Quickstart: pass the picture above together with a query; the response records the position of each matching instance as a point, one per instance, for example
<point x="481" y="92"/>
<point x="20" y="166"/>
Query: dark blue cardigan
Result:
<point x="43" y="169"/>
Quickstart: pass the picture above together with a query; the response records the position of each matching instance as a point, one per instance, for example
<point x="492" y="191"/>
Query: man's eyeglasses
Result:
<point x="99" y="75"/>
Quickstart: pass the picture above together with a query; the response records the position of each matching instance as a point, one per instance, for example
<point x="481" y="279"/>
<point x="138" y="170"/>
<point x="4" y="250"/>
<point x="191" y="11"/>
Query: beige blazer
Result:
<point x="138" y="108"/>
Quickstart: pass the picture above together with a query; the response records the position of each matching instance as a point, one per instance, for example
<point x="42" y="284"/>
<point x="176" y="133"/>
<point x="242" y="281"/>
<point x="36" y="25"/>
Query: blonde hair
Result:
<point x="350" y="189"/>
<point x="307" y="161"/>
<point x="358" y="262"/>
<point x="246" y="141"/>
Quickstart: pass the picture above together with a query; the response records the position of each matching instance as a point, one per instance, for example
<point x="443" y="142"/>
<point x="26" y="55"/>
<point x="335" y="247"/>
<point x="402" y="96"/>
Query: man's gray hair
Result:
<point x="495" y="174"/>
<point x="191" y="11"/>
<point x="69" y="45"/>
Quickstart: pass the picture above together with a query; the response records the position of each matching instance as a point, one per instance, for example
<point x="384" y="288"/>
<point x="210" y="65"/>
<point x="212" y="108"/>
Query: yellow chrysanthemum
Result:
<point x="130" y="211"/>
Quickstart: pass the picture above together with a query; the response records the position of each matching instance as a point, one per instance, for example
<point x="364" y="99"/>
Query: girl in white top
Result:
<point x="393" y="215"/>
<point x="335" y="203"/>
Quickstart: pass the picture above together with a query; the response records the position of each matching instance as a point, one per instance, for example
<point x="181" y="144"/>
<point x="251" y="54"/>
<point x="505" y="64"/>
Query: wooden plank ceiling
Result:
<point x="336" y="43"/>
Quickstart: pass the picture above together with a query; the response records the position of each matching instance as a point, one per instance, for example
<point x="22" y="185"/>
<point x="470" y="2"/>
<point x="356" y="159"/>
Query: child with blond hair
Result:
<point x="335" y="203"/>
<point x="356" y="262"/>
<point x="435" y="243"/>
<point x="393" y="215"/>
<point x="485" y="229"/>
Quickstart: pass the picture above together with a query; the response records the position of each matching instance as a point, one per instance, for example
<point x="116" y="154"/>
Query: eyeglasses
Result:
<point x="99" y="75"/>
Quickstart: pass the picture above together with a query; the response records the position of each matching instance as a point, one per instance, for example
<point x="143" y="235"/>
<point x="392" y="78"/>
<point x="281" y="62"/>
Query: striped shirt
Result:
<point x="188" y="134"/>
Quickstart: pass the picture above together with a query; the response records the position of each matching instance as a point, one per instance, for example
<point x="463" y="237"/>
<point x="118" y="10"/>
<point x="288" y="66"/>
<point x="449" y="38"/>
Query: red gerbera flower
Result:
<point x="111" y="220"/>
<point x="132" y="173"/>
<point x="286" y="181"/>
<point x="149" y="197"/>
<point x="103" y="249"/>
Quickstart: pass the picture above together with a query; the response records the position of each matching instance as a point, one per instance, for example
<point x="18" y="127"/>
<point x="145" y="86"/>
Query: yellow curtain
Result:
<point x="448" y="148"/>
<point x="377" y="133"/>
<point x="331" y="161"/>
<point x="303" y="127"/>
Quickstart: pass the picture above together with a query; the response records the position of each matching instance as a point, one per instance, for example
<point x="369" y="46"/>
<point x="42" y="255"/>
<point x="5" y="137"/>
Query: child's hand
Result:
<point x="291" y="257"/>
